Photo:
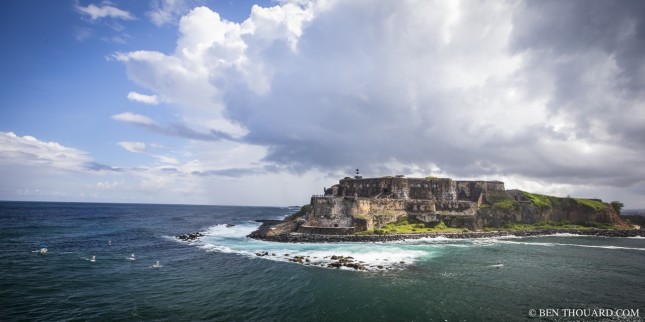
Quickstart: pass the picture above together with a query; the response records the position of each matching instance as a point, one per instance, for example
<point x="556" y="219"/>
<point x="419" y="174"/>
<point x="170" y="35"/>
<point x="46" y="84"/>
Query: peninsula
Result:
<point x="397" y="207"/>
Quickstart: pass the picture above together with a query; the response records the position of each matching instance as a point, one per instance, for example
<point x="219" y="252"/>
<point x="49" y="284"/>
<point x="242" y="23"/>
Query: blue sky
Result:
<point x="266" y="103"/>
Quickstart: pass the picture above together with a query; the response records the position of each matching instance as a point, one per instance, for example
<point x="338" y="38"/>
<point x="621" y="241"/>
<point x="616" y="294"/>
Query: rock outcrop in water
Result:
<point x="358" y="204"/>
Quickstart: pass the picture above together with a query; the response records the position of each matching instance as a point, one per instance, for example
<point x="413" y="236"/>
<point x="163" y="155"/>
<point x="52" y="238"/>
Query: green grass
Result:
<point x="507" y="205"/>
<point x="303" y="211"/>
<point x="538" y="200"/>
<point x="593" y="204"/>
<point x="403" y="226"/>
<point x="549" y="225"/>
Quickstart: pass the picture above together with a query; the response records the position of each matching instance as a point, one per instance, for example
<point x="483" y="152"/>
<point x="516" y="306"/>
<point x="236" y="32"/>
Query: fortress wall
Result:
<point x="470" y="190"/>
<point x="400" y="188"/>
<point x="370" y="213"/>
<point x="382" y="211"/>
<point x="373" y="202"/>
<point x="495" y="186"/>
<point x="330" y="212"/>
<point x="364" y="188"/>
<point x="443" y="189"/>
<point x="455" y="205"/>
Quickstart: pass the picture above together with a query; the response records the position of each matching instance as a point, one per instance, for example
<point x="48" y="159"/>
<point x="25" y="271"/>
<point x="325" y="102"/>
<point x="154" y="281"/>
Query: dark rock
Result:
<point x="190" y="236"/>
<point x="313" y="238"/>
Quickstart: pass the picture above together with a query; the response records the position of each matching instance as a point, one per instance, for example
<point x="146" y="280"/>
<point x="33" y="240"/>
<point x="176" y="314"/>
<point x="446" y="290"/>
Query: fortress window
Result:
<point x="385" y="190"/>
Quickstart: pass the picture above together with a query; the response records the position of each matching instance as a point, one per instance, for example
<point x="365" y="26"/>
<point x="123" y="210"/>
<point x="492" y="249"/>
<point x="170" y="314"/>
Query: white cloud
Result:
<point x="96" y="13"/>
<point x="136" y="147"/>
<point x="166" y="159"/>
<point x="142" y="98"/>
<point x="134" y="118"/>
<point x="107" y="185"/>
<point x="28" y="151"/>
<point x="141" y="147"/>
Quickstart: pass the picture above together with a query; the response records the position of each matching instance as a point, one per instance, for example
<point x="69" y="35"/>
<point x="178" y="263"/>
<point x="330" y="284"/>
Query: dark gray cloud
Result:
<point x="542" y="90"/>
<point x="230" y="172"/>
<point x="591" y="54"/>
<point x="175" y="129"/>
<point x="362" y="94"/>
<point x="95" y="166"/>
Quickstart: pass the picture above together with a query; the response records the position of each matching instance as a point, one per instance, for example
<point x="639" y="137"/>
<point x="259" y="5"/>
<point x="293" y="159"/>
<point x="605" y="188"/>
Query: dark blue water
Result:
<point x="219" y="278"/>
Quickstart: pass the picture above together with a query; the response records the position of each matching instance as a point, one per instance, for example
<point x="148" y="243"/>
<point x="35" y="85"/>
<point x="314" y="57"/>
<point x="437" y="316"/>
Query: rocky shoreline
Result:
<point x="318" y="238"/>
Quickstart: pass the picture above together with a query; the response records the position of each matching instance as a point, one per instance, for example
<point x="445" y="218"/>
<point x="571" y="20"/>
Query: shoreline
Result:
<point x="318" y="238"/>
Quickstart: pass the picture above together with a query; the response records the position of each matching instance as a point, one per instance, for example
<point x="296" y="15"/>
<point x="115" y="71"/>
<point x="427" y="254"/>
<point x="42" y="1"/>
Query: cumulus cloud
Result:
<point x="29" y="151"/>
<point x="96" y="13"/>
<point x="526" y="90"/>
<point x="142" y="98"/>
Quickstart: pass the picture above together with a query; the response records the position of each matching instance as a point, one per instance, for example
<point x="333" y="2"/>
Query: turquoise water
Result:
<point x="219" y="278"/>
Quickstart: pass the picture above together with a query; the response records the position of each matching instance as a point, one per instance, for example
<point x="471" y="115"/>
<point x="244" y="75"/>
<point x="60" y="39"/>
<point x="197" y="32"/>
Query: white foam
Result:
<point x="607" y="247"/>
<point x="373" y="256"/>
<point x="236" y="231"/>
<point x="224" y="239"/>
<point x="576" y="245"/>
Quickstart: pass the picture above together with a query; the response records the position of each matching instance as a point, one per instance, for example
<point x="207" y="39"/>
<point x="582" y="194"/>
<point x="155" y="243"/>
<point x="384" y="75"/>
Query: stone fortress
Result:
<point x="369" y="204"/>
<point x="358" y="204"/>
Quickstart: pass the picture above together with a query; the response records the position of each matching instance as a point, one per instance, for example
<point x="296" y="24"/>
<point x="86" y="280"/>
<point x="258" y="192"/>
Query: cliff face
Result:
<point x="357" y="204"/>
<point x="530" y="214"/>
<point x="523" y="207"/>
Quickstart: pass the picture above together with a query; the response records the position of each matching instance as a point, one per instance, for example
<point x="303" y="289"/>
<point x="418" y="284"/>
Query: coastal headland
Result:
<point x="394" y="208"/>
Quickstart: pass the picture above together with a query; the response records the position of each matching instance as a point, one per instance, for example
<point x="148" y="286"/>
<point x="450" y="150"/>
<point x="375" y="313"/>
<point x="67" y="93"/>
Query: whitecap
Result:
<point x="576" y="245"/>
<point x="237" y="231"/>
<point x="372" y="256"/>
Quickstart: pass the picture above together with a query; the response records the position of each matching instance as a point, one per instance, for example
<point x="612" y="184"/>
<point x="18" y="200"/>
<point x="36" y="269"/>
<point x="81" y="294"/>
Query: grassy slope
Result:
<point x="403" y="226"/>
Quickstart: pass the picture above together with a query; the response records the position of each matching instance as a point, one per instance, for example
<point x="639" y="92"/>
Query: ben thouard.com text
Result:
<point x="584" y="313"/>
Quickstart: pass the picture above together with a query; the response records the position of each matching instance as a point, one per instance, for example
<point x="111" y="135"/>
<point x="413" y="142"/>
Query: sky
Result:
<point x="267" y="102"/>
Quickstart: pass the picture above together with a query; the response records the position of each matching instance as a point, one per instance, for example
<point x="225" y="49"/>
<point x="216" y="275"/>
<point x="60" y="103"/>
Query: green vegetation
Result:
<point x="592" y="203"/>
<point x="539" y="201"/>
<point x="507" y="205"/>
<point x="617" y="205"/>
<point x="550" y="225"/>
<point x="303" y="211"/>
<point x="404" y="226"/>
<point x="502" y="201"/>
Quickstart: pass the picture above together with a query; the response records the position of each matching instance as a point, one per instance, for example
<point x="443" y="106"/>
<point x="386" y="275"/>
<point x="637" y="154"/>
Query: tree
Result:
<point x="617" y="205"/>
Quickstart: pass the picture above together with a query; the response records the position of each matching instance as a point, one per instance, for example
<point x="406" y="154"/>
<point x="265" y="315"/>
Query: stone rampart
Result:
<point x="326" y="230"/>
<point x="374" y="202"/>
<point x="414" y="188"/>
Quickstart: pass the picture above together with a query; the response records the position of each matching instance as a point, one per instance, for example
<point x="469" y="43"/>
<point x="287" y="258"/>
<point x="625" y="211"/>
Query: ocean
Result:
<point x="220" y="278"/>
